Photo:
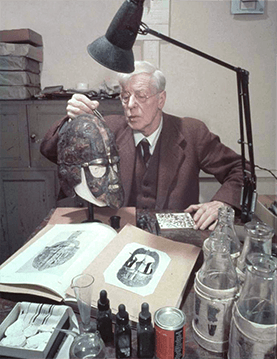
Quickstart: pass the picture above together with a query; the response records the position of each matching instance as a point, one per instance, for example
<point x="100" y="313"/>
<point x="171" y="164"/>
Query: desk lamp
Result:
<point x="114" y="51"/>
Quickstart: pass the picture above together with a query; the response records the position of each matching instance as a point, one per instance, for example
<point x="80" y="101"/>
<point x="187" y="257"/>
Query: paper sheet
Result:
<point x="137" y="268"/>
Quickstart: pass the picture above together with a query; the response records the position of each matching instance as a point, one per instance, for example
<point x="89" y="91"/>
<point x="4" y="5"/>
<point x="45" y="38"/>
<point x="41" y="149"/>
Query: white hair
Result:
<point x="145" y="67"/>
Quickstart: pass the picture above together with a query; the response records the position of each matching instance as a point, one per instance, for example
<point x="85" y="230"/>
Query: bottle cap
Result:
<point x="122" y="317"/>
<point x="103" y="302"/>
<point x="145" y="315"/>
<point x="115" y="222"/>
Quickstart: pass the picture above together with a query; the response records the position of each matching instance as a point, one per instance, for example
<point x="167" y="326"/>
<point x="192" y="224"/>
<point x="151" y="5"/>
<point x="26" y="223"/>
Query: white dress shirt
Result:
<point x="152" y="139"/>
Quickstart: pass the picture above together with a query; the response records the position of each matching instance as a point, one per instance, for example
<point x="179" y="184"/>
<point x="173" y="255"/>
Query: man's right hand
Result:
<point x="80" y="104"/>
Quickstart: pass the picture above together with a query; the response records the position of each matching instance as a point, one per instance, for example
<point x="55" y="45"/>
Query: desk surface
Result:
<point x="192" y="350"/>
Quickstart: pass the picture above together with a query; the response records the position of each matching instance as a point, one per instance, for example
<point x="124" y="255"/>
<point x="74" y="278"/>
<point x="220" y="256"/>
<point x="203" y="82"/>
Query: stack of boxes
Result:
<point x="21" y="57"/>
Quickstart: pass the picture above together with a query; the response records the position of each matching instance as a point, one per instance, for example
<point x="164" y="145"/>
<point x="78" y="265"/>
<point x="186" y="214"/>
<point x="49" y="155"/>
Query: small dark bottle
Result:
<point x="122" y="334"/>
<point x="104" y="317"/>
<point x="145" y="334"/>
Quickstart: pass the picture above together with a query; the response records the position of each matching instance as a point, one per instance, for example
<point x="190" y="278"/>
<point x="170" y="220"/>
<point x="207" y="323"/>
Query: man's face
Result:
<point x="142" y="104"/>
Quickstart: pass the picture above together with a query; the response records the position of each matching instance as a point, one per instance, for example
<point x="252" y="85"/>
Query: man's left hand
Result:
<point x="206" y="214"/>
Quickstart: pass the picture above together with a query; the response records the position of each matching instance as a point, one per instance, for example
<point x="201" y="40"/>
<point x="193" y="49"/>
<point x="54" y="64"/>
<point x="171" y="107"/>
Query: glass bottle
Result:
<point x="254" y="322"/>
<point x="258" y="239"/>
<point x="145" y="334"/>
<point x="216" y="288"/>
<point x="122" y="334"/>
<point x="226" y="218"/>
<point x="104" y="317"/>
<point x="87" y="345"/>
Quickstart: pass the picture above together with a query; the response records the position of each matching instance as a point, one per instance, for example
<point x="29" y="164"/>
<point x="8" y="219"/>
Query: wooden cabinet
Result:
<point x="28" y="181"/>
<point x="26" y="198"/>
<point x="41" y="115"/>
<point x="14" y="135"/>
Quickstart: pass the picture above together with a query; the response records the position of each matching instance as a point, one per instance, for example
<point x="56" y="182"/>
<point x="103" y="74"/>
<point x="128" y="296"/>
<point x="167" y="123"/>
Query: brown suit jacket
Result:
<point x="187" y="146"/>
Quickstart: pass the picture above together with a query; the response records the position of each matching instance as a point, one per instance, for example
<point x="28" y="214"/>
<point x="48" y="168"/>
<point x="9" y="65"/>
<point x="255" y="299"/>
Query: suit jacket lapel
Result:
<point x="172" y="154"/>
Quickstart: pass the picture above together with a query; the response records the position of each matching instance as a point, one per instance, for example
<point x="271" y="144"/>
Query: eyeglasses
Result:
<point x="141" y="97"/>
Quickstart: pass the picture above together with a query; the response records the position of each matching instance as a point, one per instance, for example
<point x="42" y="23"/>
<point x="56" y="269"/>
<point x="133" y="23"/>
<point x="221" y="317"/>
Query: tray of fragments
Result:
<point x="30" y="330"/>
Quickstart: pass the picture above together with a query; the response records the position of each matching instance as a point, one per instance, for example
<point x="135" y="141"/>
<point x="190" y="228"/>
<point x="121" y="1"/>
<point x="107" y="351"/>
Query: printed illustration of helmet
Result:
<point x="139" y="269"/>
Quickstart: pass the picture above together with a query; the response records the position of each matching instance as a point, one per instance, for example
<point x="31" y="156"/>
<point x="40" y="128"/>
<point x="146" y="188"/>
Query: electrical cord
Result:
<point x="265" y="169"/>
<point x="273" y="206"/>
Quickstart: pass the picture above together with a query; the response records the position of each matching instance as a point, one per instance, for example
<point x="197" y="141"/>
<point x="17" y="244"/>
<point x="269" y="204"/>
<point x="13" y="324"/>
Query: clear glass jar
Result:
<point x="258" y="239"/>
<point x="254" y="322"/>
<point x="218" y="271"/>
<point x="226" y="218"/>
<point x="87" y="346"/>
<point x="216" y="288"/>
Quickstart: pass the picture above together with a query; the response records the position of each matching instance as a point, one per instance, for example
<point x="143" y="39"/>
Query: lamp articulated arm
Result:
<point x="248" y="194"/>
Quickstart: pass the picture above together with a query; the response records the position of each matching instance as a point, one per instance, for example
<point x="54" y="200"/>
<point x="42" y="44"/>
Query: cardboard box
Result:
<point x="18" y="92"/>
<point x="32" y="52"/>
<point x="19" y="78"/>
<point x="19" y="63"/>
<point x="263" y="213"/>
<point x="26" y="36"/>
<point x="180" y="220"/>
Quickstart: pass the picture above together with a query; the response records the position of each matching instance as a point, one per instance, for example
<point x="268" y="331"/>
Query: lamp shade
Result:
<point x="114" y="50"/>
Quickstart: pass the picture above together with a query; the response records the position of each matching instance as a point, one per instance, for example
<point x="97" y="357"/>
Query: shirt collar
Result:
<point x="152" y="139"/>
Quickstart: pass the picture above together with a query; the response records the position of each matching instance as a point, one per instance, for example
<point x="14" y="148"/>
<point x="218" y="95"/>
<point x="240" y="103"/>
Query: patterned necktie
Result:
<point x="146" y="153"/>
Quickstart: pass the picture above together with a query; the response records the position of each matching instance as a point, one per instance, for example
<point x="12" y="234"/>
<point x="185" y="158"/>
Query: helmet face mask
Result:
<point x="86" y="143"/>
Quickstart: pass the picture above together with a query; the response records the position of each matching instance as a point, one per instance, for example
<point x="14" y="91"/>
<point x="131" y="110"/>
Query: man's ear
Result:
<point x="162" y="99"/>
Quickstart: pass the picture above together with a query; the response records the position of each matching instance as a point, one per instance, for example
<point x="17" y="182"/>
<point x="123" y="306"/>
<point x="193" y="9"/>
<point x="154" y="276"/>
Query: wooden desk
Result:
<point x="193" y="350"/>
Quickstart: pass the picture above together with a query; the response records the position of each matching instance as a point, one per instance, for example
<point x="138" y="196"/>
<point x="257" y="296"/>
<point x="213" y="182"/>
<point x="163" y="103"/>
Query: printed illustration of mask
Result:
<point x="139" y="269"/>
<point x="87" y="143"/>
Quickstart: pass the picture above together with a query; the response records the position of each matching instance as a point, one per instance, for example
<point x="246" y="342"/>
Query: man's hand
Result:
<point x="206" y="214"/>
<point x="80" y="104"/>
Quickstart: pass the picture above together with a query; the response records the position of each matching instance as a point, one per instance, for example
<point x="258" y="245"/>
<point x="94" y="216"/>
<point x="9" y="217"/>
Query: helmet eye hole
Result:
<point x="97" y="171"/>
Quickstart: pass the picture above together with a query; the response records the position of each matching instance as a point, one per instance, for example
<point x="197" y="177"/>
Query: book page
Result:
<point x="56" y="257"/>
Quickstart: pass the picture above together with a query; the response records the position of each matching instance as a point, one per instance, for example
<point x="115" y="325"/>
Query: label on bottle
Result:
<point x="123" y="347"/>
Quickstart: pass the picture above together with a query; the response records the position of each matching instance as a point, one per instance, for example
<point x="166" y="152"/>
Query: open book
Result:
<point x="133" y="266"/>
<point x="46" y="265"/>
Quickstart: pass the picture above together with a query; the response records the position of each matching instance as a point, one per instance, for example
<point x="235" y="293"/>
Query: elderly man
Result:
<point x="161" y="155"/>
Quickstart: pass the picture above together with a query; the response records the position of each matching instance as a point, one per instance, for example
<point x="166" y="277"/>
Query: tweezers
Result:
<point x="98" y="115"/>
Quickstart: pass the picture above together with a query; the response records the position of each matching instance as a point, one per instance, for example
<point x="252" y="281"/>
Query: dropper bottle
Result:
<point x="145" y="334"/>
<point x="122" y="334"/>
<point x="104" y="317"/>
